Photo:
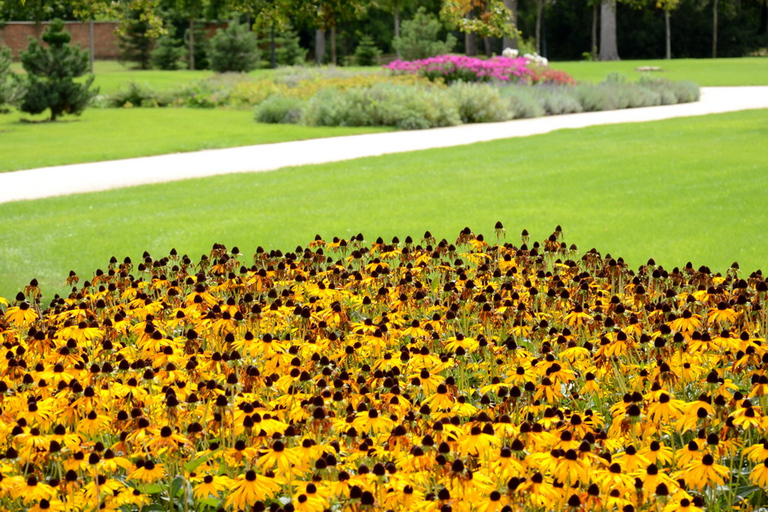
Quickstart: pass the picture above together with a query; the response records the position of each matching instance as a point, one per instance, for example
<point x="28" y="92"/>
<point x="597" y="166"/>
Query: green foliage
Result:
<point x="419" y="37"/>
<point x="288" y="51"/>
<point x="51" y="72"/>
<point x="367" y="53"/>
<point x="136" y="38"/>
<point x="167" y="54"/>
<point x="280" y="110"/>
<point x="480" y="103"/>
<point x="10" y="87"/>
<point x="405" y="107"/>
<point x="233" y="49"/>
<point x="135" y="94"/>
<point x="201" y="47"/>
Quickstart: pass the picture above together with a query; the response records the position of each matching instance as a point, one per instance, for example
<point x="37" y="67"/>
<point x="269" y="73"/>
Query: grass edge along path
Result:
<point x="114" y="134"/>
<point x="678" y="190"/>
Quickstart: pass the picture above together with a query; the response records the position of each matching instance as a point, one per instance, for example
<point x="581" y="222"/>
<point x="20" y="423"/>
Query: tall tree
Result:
<point x="327" y="14"/>
<point x="396" y="7"/>
<point x="714" y="28"/>
<point x="510" y="41"/>
<point x="609" y="49"/>
<point x="667" y="6"/>
<point x="191" y="10"/>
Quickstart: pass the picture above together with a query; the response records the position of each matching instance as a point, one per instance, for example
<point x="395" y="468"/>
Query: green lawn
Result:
<point x="705" y="72"/>
<point x="679" y="190"/>
<point x="109" y="134"/>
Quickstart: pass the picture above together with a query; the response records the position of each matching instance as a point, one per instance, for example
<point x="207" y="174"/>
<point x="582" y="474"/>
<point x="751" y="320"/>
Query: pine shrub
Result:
<point x="233" y="49"/>
<point x="420" y="37"/>
<point x="51" y="72"/>
<point x="167" y="54"/>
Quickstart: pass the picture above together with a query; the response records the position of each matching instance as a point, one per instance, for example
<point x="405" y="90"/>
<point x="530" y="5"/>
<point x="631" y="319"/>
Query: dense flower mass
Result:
<point x="405" y="375"/>
<point x="452" y="68"/>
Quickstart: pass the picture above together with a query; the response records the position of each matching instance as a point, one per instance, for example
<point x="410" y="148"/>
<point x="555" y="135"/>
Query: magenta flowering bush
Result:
<point x="453" y="68"/>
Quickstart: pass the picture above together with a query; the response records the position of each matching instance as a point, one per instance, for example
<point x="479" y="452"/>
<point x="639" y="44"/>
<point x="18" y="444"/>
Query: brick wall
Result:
<point x="16" y="34"/>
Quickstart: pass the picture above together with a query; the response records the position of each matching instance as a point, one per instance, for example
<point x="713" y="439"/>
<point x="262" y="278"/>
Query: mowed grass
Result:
<point x="110" y="134"/>
<point x="678" y="190"/>
<point x="705" y="72"/>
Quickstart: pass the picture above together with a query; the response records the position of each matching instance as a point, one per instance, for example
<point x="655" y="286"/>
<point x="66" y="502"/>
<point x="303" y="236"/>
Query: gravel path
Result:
<point x="92" y="177"/>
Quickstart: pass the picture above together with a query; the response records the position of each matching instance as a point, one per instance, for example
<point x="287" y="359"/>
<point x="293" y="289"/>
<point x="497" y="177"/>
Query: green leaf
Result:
<point x="210" y="502"/>
<point x="192" y="465"/>
<point x="153" y="489"/>
<point x="176" y="485"/>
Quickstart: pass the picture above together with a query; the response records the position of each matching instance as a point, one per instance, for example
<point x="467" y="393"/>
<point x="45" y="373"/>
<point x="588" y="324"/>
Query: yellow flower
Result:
<point x="211" y="486"/>
<point x="32" y="490"/>
<point x="704" y="472"/>
<point x="49" y="506"/>
<point x="759" y="475"/>
<point x="21" y="315"/>
<point x="249" y="488"/>
<point x="147" y="471"/>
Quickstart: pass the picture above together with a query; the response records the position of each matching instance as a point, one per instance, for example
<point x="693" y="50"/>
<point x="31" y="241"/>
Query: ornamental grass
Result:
<point x="472" y="375"/>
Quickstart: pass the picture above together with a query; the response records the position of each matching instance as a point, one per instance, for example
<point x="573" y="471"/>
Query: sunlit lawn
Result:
<point x="705" y="72"/>
<point x="110" y="134"/>
<point x="680" y="190"/>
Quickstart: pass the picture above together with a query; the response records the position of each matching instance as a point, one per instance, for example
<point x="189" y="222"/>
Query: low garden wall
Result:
<point x="16" y="34"/>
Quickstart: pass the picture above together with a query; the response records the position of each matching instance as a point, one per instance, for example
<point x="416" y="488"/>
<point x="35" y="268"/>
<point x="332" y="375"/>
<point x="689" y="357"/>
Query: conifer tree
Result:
<point x="51" y="73"/>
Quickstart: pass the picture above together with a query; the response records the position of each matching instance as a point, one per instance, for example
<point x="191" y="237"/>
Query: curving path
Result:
<point x="97" y="176"/>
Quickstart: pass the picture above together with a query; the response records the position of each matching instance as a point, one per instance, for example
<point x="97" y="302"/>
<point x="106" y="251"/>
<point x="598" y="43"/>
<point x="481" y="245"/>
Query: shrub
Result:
<point x="10" y="86"/>
<point x="557" y="100"/>
<point x="522" y="103"/>
<point x="51" y="71"/>
<point x="592" y="98"/>
<point x="135" y="94"/>
<point x="167" y="54"/>
<point x="279" y="109"/>
<point x="135" y="38"/>
<point x="419" y="37"/>
<point x="480" y="103"/>
<point x="233" y="49"/>
<point x="367" y="53"/>
<point x="405" y="107"/>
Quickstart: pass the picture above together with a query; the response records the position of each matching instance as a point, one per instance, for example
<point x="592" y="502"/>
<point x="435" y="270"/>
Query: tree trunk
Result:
<point x="333" y="45"/>
<point x="470" y="39"/>
<point x="396" y="14"/>
<point x="668" y="35"/>
<point x="714" y="29"/>
<point x="192" y="43"/>
<point x="487" y="46"/>
<point x="91" y="45"/>
<point x="319" y="46"/>
<point x="593" y="48"/>
<point x="539" y="11"/>
<point x="608" y="46"/>
<point x="511" y="42"/>
<point x="272" y="49"/>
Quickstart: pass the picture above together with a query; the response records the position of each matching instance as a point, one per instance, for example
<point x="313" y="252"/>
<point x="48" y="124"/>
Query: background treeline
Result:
<point x="565" y="27"/>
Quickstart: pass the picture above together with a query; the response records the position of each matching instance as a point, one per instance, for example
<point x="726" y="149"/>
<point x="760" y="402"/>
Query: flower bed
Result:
<point x="409" y="375"/>
<point x="454" y="68"/>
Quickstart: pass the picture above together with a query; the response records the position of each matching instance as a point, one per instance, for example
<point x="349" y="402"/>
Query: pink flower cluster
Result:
<point x="459" y="67"/>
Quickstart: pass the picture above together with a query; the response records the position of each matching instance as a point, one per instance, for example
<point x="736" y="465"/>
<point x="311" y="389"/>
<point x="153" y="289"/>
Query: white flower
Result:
<point x="510" y="53"/>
